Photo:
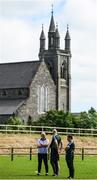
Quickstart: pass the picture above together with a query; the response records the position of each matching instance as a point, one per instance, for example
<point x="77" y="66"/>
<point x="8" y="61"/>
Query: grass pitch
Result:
<point x="23" y="168"/>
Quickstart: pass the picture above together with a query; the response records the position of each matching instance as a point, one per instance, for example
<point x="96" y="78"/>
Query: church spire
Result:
<point x="42" y="36"/>
<point x="67" y="33"/>
<point x="57" y="38"/>
<point x="52" y="24"/>
<point x="42" y="40"/>
<point x="51" y="33"/>
<point x="67" y="40"/>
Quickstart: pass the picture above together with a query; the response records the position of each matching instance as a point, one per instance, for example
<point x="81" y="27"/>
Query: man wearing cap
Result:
<point x="55" y="146"/>
<point x="42" y="146"/>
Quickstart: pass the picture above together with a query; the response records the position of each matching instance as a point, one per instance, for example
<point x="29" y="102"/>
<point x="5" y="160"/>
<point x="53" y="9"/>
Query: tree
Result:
<point x="14" y="120"/>
<point x="30" y="121"/>
<point x="93" y="117"/>
<point x="56" y="118"/>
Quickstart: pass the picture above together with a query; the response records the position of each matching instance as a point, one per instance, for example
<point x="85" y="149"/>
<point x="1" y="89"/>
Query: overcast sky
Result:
<point x="20" y="27"/>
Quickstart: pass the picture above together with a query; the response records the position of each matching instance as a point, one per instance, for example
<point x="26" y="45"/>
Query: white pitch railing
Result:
<point x="37" y="129"/>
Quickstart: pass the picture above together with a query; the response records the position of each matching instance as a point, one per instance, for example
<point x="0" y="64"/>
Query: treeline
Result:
<point x="61" y="119"/>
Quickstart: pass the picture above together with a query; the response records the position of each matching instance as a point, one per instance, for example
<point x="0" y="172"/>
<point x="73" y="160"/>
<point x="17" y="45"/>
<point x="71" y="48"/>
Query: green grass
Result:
<point x="23" y="168"/>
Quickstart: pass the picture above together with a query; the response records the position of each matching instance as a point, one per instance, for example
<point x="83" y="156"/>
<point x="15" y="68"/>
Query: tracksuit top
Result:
<point x="43" y="150"/>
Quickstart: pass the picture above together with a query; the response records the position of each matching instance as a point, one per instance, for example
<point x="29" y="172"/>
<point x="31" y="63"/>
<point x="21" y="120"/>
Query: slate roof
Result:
<point x="8" y="107"/>
<point x="17" y="75"/>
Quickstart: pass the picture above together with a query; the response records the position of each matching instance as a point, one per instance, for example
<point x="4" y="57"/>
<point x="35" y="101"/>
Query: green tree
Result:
<point x="14" y="120"/>
<point x="93" y="117"/>
<point x="30" y="121"/>
<point x="56" y="118"/>
<point x="76" y="121"/>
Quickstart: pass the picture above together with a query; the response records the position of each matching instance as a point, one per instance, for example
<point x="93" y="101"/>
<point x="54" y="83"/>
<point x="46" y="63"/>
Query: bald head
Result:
<point x="54" y="131"/>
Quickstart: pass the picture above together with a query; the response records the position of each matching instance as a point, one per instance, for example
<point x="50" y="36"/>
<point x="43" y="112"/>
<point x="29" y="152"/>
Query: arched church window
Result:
<point x="42" y="99"/>
<point x="52" y="41"/>
<point x="64" y="70"/>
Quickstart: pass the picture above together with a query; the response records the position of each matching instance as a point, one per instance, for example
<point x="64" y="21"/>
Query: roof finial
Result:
<point x="52" y="9"/>
<point x="67" y="27"/>
<point x="42" y="26"/>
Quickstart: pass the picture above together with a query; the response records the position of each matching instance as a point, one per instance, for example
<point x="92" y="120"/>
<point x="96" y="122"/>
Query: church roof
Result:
<point x="17" y="75"/>
<point x="8" y="107"/>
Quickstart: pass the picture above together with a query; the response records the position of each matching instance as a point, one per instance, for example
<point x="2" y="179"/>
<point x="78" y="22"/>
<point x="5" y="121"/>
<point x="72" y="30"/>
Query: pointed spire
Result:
<point x="42" y="40"/>
<point x="52" y="24"/>
<point x="42" y="36"/>
<point x="67" y="33"/>
<point x="57" y="32"/>
<point x="57" y="38"/>
<point x="67" y="41"/>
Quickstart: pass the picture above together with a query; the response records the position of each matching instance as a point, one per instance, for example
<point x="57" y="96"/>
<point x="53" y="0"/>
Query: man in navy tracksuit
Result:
<point x="55" y="146"/>
<point x="70" y="155"/>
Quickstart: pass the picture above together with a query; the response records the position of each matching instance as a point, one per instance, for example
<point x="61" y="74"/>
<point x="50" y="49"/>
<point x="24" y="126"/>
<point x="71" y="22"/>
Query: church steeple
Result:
<point x="52" y="23"/>
<point x="51" y="33"/>
<point x="67" y="40"/>
<point x="57" y="38"/>
<point x="42" y="40"/>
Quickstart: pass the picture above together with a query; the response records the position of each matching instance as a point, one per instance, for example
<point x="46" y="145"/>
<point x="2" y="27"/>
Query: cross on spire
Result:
<point x="67" y="27"/>
<point x="52" y="24"/>
<point x="52" y="9"/>
<point x="42" y="26"/>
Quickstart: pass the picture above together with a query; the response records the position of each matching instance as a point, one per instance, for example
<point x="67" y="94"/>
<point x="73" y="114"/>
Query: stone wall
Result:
<point x="42" y="77"/>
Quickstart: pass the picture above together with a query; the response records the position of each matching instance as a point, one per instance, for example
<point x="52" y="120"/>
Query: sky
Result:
<point x="20" y="28"/>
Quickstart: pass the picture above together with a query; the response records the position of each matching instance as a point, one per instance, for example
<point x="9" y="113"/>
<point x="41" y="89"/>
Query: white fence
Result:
<point x="37" y="129"/>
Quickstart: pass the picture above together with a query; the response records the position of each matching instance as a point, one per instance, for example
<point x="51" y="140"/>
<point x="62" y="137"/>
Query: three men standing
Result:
<point x="54" y="147"/>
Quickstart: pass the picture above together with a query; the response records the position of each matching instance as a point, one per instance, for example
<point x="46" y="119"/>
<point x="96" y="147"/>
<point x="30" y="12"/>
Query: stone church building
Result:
<point x="32" y="88"/>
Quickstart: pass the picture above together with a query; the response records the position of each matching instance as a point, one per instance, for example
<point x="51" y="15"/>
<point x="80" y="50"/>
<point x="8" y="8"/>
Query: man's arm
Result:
<point x="60" y="145"/>
<point x="67" y="147"/>
<point x="39" y="146"/>
<point x="46" y="144"/>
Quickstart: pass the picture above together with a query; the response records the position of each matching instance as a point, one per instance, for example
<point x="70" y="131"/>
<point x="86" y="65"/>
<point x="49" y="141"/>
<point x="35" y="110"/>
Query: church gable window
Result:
<point x="42" y="99"/>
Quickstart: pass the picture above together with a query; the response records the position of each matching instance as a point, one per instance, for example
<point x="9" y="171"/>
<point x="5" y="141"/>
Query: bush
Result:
<point x="56" y="118"/>
<point x="14" y="120"/>
<point x="30" y="121"/>
<point x="61" y="119"/>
